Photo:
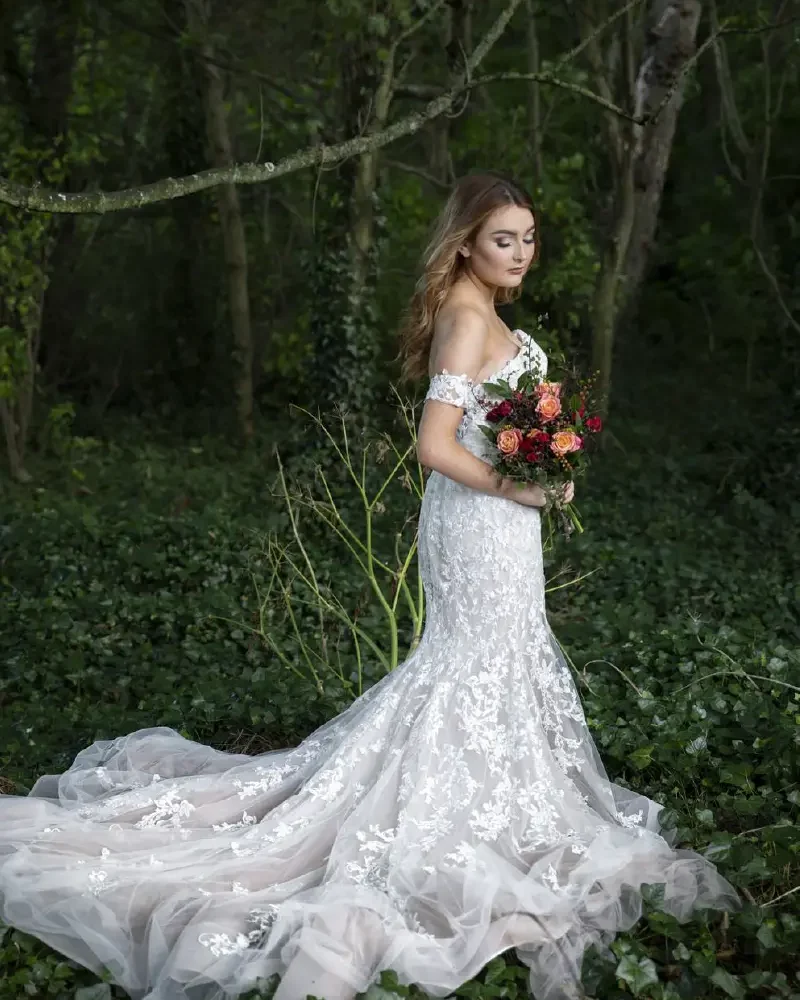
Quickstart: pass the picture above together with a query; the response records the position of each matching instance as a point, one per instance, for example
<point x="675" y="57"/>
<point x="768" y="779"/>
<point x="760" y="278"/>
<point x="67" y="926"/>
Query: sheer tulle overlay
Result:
<point x="457" y="809"/>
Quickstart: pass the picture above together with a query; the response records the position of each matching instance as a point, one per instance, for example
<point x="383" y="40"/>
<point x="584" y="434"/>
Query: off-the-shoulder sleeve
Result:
<point x="448" y="388"/>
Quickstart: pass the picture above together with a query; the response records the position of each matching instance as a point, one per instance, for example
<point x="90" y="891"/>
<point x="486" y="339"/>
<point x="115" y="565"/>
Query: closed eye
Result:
<point x="530" y="242"/>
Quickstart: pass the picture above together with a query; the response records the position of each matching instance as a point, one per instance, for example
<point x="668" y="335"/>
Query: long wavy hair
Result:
<point x="471" y="202"/>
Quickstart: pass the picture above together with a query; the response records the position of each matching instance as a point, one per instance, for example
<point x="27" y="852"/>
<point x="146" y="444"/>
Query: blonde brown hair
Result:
<point x="471" y="202"/>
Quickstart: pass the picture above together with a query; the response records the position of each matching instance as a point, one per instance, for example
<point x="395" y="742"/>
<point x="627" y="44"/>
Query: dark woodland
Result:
<point x="211" y="220"/>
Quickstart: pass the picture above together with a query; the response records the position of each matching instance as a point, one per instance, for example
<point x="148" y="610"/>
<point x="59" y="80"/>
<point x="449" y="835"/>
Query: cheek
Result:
<point x="494" y="256"/>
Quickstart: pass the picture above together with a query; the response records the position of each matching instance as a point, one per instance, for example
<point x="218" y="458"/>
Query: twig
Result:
<point x="783" y="895"/>
<point x="419" y="171"/>
<point x="737" y="673"/>
<point x="622" y="674"/>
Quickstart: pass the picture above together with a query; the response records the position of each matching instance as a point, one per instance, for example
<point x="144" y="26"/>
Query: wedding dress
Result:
<point x="456" y="809"/>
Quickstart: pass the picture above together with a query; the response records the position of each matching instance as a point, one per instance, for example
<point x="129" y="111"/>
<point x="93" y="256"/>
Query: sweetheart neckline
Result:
<point x="505" y="364"/>
<point x="502" y="368"/>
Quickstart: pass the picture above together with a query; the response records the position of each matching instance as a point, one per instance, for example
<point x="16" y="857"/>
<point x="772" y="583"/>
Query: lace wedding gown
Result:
<point x="456" y="809"/>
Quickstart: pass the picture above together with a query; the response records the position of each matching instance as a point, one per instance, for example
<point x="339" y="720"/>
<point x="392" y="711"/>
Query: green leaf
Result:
<point x="703" y="964"/>
<point x="766" y="935"/>
<point x="727" y="982"/>
<point x="100" y="991"/>
<point x="638" y="973"/>
<point x="642" y="757"/>
<point x="720" y="847"/>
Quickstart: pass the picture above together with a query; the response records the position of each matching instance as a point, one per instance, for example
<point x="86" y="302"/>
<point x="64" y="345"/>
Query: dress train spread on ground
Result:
<point x="456" y="809"/>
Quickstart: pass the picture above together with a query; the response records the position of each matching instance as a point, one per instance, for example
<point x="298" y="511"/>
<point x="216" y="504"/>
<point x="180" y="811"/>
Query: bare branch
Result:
<point x="730" y="110"/>
<point x="226" y="64"/>
<point x="418" y="171"/>
<point x="591" y="38"/>
<point x="546" y="77"/>
<point x="421" y="91"/>
<point x="38" y="199"/>
<point x="416" y="25"/>
<point x="603" y="81"/>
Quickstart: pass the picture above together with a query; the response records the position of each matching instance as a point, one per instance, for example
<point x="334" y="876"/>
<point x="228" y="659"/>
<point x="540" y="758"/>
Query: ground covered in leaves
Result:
<point x="130" y="582"/>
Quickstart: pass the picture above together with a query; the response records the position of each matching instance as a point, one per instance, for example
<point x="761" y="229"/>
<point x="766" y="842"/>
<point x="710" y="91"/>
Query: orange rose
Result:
<point x="548" y="389"/>
<point x="509" y="440"/>
<point x="548" y="407"/>
<point x="564" y="441"/>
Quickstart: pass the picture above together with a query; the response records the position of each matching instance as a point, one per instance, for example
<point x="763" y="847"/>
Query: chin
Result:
<point x="510" y="280"/>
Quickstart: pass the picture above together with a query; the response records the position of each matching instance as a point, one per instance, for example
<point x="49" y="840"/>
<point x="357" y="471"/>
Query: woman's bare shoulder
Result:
<point x="460" y="330"/>
<point x="459" y="341"/>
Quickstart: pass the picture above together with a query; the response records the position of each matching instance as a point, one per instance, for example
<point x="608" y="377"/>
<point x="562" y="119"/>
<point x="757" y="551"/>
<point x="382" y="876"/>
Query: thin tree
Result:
<point x="198" y="15"/>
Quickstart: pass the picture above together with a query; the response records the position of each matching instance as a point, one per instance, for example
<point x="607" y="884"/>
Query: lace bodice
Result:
<point x="462" y="391"/>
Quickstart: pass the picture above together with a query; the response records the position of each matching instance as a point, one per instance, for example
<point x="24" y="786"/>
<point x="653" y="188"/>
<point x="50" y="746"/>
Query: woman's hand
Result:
<point x="530" y="495"/>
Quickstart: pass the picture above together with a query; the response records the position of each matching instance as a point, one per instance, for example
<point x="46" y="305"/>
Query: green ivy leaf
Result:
<point x="637" y="972"/>
<point x="642" y="757"/>
<point x="731" y="984"/>
<point x="100" y="991"/>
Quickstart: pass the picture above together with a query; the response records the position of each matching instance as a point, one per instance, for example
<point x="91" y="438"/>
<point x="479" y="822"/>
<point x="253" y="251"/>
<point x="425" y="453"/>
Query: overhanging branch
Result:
<point x="39" y="199"/>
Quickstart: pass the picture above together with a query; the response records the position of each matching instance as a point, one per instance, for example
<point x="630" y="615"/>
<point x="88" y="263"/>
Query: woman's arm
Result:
<point x="461" y="351"/>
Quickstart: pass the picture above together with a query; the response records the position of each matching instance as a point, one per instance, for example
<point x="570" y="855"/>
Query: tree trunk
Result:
<point x="670" y="42"/>
<point x="233" y="235"/>
<point x="16" y="412"/>
<point x="457" y="45"/>
<point x="535" y="93"/>
<point x="189" y="308"/>
<point x="364" y="187"/>
<point x="41" y="103"/>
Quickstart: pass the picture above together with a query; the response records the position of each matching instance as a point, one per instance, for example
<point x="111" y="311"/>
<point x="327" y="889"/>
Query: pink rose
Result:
<point x="565" y="441"/>
<point x="548" y="407"/>
<point x="509" y="440"/>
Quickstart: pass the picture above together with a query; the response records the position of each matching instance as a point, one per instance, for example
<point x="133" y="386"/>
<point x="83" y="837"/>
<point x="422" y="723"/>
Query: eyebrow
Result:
<point x="511" y="232"/>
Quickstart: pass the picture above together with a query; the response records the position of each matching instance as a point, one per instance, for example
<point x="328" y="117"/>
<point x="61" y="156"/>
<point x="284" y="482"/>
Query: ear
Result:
<point x="463" y="251"/>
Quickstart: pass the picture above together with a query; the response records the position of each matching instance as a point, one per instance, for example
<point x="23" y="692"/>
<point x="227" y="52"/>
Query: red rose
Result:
<point x="542" y="436"/>
<point x="499" y="410"/>
<point x="594" y="424"/>
<point x="532" y="456"/>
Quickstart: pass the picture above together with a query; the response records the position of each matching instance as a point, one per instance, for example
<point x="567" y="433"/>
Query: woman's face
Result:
<point x="503" y="247"/>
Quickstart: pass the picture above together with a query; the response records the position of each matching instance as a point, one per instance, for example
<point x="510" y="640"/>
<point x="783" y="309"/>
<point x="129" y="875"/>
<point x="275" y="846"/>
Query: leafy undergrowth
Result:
<point x="128" y="596"/>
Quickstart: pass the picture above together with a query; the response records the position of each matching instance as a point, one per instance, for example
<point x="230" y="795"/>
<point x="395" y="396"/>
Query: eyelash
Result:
<point x="506" y="245"/>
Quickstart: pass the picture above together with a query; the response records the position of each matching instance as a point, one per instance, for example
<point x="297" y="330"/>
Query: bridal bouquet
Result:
<point x="541" y="431"/>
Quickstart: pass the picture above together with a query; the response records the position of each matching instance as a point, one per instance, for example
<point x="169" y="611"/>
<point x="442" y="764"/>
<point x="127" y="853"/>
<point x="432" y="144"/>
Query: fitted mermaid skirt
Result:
<point x="457" y="809"/>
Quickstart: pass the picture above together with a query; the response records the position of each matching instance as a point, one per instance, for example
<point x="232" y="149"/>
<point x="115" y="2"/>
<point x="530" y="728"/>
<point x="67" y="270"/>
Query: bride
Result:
<point x="456" y="809"/>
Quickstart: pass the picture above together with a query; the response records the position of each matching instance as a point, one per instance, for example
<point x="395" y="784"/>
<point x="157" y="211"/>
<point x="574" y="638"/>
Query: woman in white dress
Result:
<point x="457" y="809"/>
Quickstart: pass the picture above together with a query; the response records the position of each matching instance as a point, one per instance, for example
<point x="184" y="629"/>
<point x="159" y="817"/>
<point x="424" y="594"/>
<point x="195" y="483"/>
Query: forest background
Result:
<point x="212" y="215"/>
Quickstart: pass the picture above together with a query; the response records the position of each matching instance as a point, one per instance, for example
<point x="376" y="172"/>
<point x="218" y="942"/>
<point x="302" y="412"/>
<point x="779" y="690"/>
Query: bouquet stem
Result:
<point x="573" y="516"/>
<point x="567" y="518"/>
